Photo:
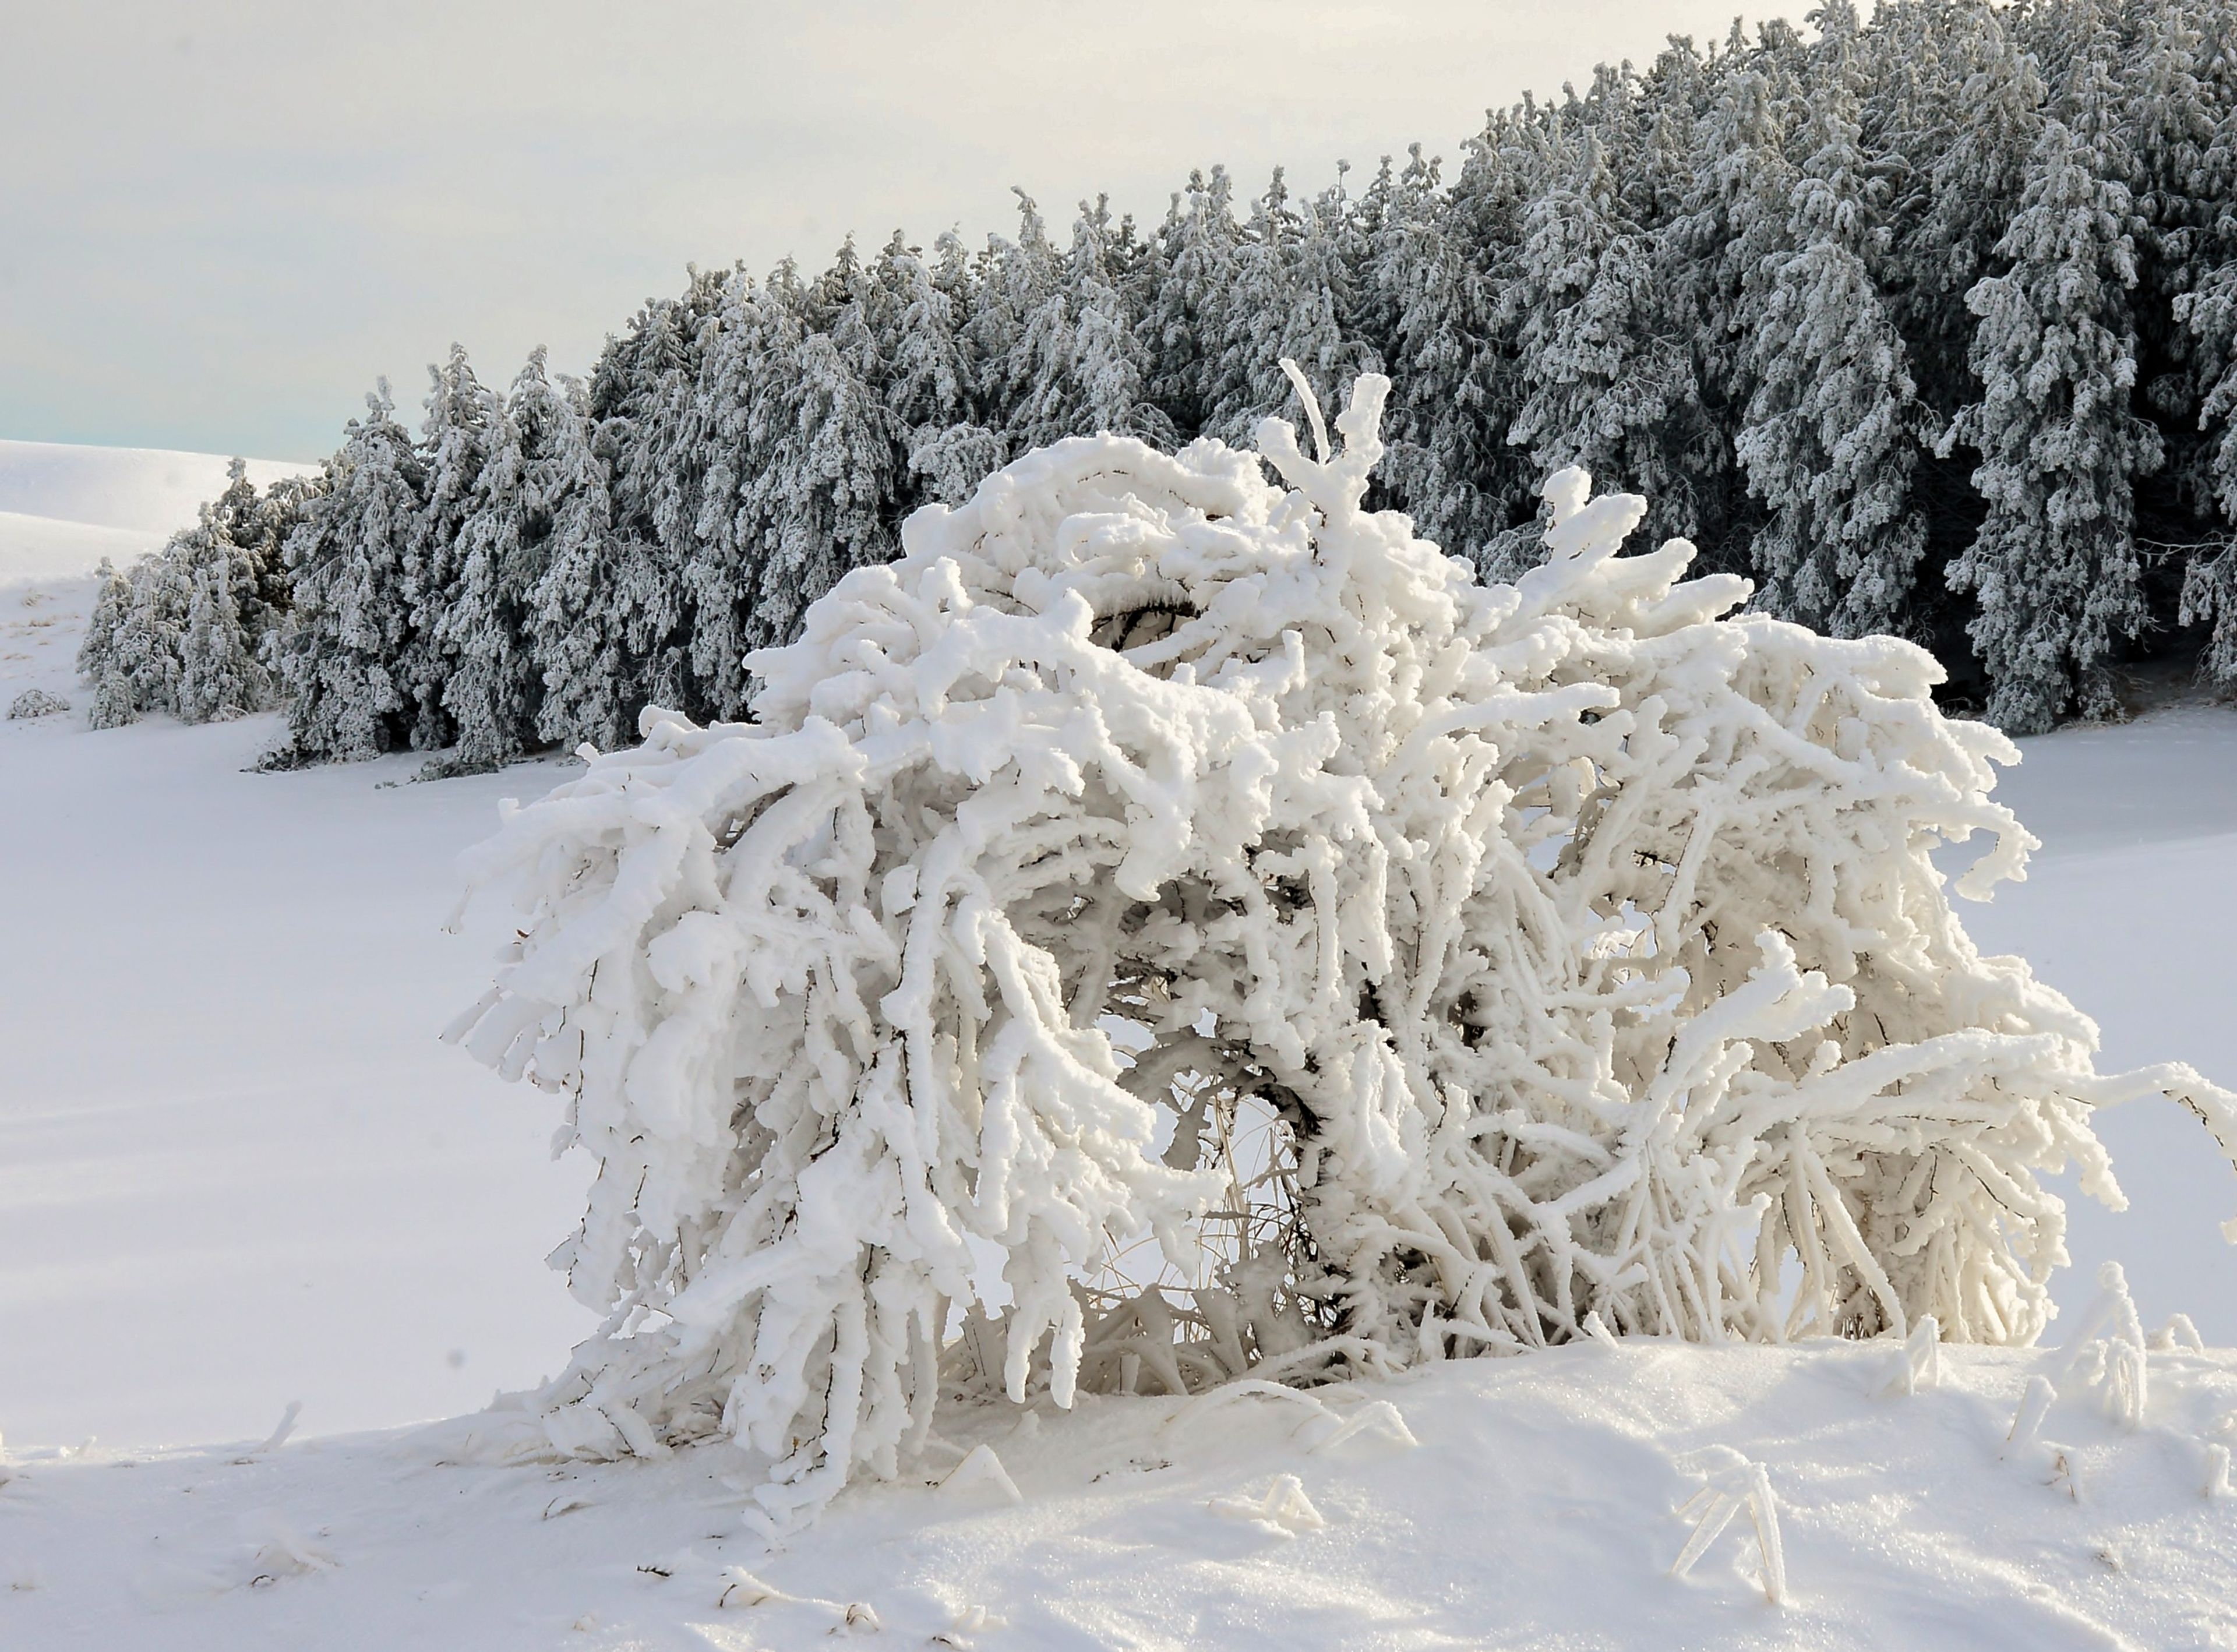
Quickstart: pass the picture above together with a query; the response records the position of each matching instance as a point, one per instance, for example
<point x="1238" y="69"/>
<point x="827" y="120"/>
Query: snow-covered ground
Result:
<point x="1538" y="1510"/>
<point x="235" y="1167"/>
<point x="236" y="1170"/>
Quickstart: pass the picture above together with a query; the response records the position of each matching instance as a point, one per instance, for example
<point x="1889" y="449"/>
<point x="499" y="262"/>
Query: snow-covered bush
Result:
<point x="35" y="702"/>
<point x="1582" y="949"/>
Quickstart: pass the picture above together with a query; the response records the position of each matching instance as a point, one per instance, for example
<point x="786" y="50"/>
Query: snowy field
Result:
<point x="237" y="1171"/>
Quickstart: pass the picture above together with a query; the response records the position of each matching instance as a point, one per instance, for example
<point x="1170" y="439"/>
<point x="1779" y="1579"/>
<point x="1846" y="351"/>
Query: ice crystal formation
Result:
<point x="1425" y="965"/>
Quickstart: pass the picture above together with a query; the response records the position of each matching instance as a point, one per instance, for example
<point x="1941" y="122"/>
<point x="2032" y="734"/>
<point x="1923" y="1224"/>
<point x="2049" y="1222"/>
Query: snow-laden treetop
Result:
<point x="1427" y="965"/>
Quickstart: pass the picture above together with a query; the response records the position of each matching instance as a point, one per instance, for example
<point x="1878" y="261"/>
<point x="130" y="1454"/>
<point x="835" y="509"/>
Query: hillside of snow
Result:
<point x="140" y="490"/>
<point x="238" y="1171"/>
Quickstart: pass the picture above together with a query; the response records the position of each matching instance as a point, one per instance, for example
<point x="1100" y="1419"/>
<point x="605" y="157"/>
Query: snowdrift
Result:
<point x="1577" y="946"/>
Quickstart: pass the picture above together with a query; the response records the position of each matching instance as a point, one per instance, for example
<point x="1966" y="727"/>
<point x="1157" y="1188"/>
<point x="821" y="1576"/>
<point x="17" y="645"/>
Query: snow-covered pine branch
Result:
<point x="1584" y="944"/>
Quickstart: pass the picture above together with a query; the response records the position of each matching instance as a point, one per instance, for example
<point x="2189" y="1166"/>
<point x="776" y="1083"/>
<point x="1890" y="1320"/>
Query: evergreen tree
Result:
<point x="2053" y="565"/>
<point x="228" y="610"/>
<point x="581" y="609"/>
<point x="1193" y="275"/>
<point x="1111" y="367"/>
<point x="1979" y="172"/>
<point x="187" y="630"/>
<point x="352" y="620"/>
<point x="1833" y="422"/>
<point x="1608" y="385"/>
<point x="131" y="654"/>
<point x="745" y="377"/>
<point x="98" y="661"/>
<point x="657" y="425"/>
<point x="1081" y="365"/>
<point x="1020" y="282"/>
<point x="1747" y="283"/>
<point x="461" y="429"/>
<point x="494" y="687"/>
<point x="1456" y="390"/>
<point x="932" y="381"/>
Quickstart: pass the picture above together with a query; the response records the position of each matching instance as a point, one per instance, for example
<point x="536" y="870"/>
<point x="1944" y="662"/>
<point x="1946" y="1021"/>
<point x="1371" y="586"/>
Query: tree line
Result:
<point x="1928" y="325"/>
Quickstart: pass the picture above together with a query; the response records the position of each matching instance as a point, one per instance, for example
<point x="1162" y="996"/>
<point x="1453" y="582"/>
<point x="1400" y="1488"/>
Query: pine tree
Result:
<point x="2054" y="564"/>
<point x="665" y="405"/>
<point x="1081" y="366"/>
<point x="838" y="470"/>
<point x="1110" y="366"/>
<point x="1979" y="172"/>
<point x="494" y="688"/>
<point x="1193" y="275"/>
<point x="1834" y="423"/>
<point x="580" y="610"/>
<point x="219" y="676"/>
<point x="352" y="619"/>
<point x="228" y="611"/>
<point x="98" y="659"/>
<point x="456" y="440"/>
<point x="1019" y="282"/>
<point x="131" y="654"/>
<point x="1433" y="315"/>
<point x="932" y="381"/>
<point x="1608" y="385"/>
<point x="2207" y="313"/>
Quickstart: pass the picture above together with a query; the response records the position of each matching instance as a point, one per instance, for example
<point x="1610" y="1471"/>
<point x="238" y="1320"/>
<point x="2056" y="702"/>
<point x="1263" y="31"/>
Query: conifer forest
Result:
<point x="1926" y="324"/>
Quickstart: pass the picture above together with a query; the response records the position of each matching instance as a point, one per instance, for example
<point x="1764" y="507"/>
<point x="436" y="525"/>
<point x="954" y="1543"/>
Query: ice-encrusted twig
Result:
<point x="2023" y="1441"/>
<point x="982" y="1472"/>
<point x="2178" y="1335"/>
<point x="1743" y="1484"/>
<point x="1376" y="1416"/>
<point x="1918" y="1364"/>
<point x="2107" y="1353"/>
<point x="742" y="1590"/>
<point x="1286" y="1507"/>
<point x="1326" y="1427"/>
<point x="278" y="1437"/>
<point x="2035" y="1401"/>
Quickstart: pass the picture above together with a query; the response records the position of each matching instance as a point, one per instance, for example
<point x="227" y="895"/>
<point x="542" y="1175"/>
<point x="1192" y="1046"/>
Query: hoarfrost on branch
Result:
<point x="1575" y="948"/>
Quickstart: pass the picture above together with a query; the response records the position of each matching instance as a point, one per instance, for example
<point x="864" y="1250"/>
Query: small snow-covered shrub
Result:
<point x="36" y="703"/>
<point x="1579" y="949"/>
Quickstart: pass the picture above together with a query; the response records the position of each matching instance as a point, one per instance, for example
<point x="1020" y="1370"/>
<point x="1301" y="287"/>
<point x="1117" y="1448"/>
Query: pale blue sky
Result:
<point x="220" y="221"/>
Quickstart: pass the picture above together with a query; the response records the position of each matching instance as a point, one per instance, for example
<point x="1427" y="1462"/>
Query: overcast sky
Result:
<point x="220" y="221"/>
